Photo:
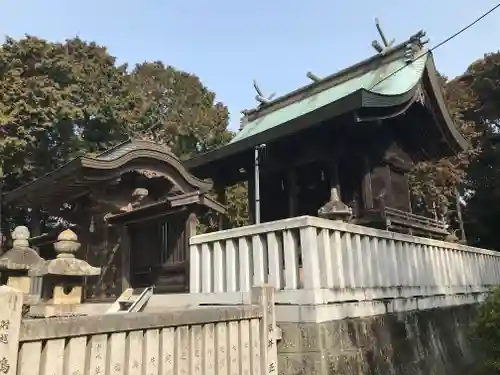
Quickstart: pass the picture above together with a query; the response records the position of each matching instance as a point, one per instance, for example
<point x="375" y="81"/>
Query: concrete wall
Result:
<point x="425" y="342"/>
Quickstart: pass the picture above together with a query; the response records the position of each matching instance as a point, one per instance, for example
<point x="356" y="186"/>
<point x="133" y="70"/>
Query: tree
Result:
<point x="59" y="100"/>
<point x="483" y="204"/>
<point x="482" y="181"/>
<point x="178" y="110"/>
<point x="437" y="182"/>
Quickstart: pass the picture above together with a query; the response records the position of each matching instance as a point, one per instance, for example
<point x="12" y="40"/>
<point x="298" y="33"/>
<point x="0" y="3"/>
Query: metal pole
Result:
<point x="257" y="186"/>
<point x="257" y="182"/>
<point x="459" y="215"/>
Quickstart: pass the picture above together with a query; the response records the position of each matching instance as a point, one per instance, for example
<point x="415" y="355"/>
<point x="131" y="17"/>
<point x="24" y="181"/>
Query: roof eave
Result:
<point x="43" y="182"/>
<point x="346" y="104"/>
<point x="454" y="138"/>
<point x="153" y="153"/>
<point x="359" y="99"/>
<point x="81" y="170"/>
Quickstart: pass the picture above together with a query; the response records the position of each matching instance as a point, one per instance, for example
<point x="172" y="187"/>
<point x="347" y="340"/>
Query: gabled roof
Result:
<point x="385" y="80"/>
<point x="76" y="177"/>
<point x="375" y="82"/>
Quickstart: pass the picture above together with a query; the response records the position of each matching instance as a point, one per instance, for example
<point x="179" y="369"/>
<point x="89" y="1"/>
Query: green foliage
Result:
<point x="486" y="330"/>
<point x="237" y="211"/>
<point x="59" y="100"/>
<point x="473" y="100"/>
<point x="436" y="181"/>
<point x="482" y="82"/>
<point x="176" y="109"/>
<point x="483" y="206"/>
<point x="237" y="205"/>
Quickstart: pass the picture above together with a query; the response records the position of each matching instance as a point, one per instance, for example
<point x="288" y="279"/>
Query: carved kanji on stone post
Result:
<point x="16" y="262"/>
<point x="63" y="276"/>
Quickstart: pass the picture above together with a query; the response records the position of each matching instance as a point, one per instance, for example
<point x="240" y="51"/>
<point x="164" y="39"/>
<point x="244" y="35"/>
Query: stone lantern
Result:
<point x="63" y="276"/>
<point x="335" y="209"/>
<point x="16" y="262"/>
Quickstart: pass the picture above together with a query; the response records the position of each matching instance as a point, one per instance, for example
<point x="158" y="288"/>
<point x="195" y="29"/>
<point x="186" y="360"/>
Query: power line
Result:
<point x="484" y="15"/>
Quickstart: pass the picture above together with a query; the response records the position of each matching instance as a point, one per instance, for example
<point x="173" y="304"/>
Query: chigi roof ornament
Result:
<point x="260" y="97"/>
<point x="387" y="45"/>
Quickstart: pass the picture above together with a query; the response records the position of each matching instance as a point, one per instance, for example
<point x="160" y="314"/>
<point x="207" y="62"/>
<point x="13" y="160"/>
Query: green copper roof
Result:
<point x="391" y="80"/>
<point x="392" y="77"/>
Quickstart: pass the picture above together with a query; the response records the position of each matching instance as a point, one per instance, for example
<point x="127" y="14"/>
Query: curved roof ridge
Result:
<point x="111" y="161"/>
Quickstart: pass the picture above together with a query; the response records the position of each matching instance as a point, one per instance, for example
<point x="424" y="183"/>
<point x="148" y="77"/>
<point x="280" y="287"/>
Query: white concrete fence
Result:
<point x="316" y="261"/>
<point x="185" y="341"/>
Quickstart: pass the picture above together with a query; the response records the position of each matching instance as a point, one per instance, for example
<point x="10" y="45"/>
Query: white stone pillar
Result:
<point x="11" y="301"/>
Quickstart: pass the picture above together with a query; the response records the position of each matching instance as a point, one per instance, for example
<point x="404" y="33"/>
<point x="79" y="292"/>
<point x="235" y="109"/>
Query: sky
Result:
<point x="230" y="43"/>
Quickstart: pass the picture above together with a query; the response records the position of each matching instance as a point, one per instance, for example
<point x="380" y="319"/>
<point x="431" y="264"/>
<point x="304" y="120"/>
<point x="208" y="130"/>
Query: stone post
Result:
<point x="11" y="301"/>
<point x="16" y="262"/>
<point x="64" y="275"/>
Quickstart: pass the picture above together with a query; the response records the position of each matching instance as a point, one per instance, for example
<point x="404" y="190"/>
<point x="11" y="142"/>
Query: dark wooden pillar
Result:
<point x="410" y="205"/>
<point x="333" y="174"/>
<point x="292" y="190"/>
<point x="367" y="185"/>
<point x="220" y="191"/>
<point x="389" y="199"/>
<point x="125" y="256"/>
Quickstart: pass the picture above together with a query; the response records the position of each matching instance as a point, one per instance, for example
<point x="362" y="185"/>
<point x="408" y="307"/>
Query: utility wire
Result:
<point x="484" y="15"/>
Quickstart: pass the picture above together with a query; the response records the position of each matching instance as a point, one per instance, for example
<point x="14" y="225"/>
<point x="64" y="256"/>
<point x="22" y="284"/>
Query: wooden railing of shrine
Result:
<point x="190" y="340"/>
<point x="310" y="260"/>
<point x="398" y="219"/>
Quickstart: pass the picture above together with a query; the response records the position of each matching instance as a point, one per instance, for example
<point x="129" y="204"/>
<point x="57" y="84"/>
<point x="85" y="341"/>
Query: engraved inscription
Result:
<point x="98" y="354"/>
<point x="4" y="326"/>
<point x="4" y="365"/>
<point x="272" y="367"/>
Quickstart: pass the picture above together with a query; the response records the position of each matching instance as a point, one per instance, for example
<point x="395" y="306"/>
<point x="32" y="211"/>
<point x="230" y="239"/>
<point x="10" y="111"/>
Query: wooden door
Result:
<point x="158" y="255"/>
